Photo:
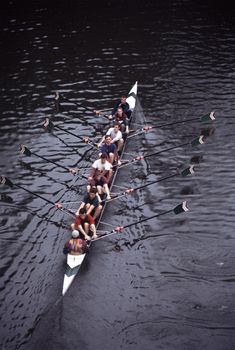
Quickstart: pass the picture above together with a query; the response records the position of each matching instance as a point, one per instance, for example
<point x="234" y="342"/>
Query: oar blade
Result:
<point x="6" y="199"/>
<point x="181" y="208"/>
<point x="57" y="96"/>
<point x="5" y="181"/>
<point x="25" y="150"/>
<point x="208" y="117"/>
<point x="187" y="171"/>
<point x="197" y="141"/>
<point x="48" y="125"/>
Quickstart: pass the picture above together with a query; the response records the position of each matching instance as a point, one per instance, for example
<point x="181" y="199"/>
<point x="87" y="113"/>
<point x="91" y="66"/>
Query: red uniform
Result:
<point x="80" y="221"/>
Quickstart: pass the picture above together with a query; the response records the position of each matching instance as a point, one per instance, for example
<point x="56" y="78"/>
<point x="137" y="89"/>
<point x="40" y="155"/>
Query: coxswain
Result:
<point x="116" y="136"/>
<point x="121" y="103"/>
<point x="75" y="245"/>
<point x="85" y="224"/>
<point x="91" y="202"/>
<point x="109" y="148"/>
<point x="100" y="175"/>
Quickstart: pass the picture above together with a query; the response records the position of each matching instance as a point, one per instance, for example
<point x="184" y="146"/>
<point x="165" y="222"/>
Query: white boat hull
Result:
<point x="73" y="264"/>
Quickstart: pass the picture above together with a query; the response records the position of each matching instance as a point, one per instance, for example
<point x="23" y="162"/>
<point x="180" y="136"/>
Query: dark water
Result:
<point x="170" y="283"/>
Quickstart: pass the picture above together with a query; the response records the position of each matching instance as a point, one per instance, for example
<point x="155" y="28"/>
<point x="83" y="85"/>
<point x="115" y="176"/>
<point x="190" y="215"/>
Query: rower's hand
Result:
<point x="94" y="236"/>
<point x="97" y="112"/>
<point x="127" y="132"/>
<point x="110" y="117"/>
<point x="90" y="178"/>
<point x="88" y="238"/>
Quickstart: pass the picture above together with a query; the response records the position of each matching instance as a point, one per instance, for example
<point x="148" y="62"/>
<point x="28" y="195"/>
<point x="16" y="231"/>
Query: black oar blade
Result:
<point x="25" y="150"/>
<point x="197" y="159"/>
<point x="187" y="171"/>
<point x="208" y="117"/>
<point x="48" y="125"/>
<point x="181" y="208"/>
<point x="57" y="96"/>
<point x="207" y="131"/>
<point x="5" y="181"/>
<point x="197" y="141"/>
<point x="6" y="199"/>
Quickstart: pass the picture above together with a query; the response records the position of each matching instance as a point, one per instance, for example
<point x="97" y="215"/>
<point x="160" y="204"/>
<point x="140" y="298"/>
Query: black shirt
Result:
<point x="93" y="201"/>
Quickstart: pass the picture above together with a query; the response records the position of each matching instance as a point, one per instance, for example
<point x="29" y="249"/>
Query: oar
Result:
<point x="104" y="116"/>
<point x="195" y="142"/>
<point x="177" y="210"/>
<point x="49" y="125"/>
<point x="102" y="110"/>
<point x="58" y="98"/>
<point x="28" y="166"/>
<point x="204" y="119"/>
<point x="187" y="171"/>
<point x="20" y="207"/>
<point x="25" y="150"/>
<point x="98" y="112"/>
<point x="5" y="181"/>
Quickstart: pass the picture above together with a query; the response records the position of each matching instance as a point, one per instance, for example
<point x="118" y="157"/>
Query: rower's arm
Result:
<point x="110" y="173"/>
<point x="80" y="228"/>
<point x="90" y="209"/>
<point x="81" y="206"/>
<point x="102" y="141"/>
<point x="115" y="107"/>
<point x="92" y="172"/>
<point x="93" y="229"/>
<point x="98" y="196"/>
<point x="126" y="122"/>
<point x="117" y="138"/>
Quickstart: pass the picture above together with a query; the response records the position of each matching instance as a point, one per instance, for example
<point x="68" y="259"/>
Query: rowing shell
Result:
<point x="75" y="261"/>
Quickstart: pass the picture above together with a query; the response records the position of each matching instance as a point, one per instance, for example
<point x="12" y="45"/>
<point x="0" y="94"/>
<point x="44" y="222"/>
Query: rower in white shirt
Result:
<point x="100" y="176"/>
<point x="116" y="136"/>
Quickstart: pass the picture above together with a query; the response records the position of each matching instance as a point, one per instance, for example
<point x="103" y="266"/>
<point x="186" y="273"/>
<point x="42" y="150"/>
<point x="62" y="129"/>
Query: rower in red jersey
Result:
<point x="85" y="224"/>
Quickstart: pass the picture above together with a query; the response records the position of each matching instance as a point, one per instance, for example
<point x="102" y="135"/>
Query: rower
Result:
<point x="100" y="175"/>
<point x="122" y="104"/>
<point x="91" y="202"/>
<point x="75" y="245"/>
<point x="85" y="224"/>
<point x="109" y="148"/>
<point x="121" y="118"/>
<point x="116" y="136"/>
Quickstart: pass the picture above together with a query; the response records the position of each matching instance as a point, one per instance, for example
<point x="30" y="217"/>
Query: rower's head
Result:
<point x="123" y="99"/>
<point x="119" y="111"/>
<point x="108" y="139"/>
<point x="75" y="234"/>
<point x="92" y="193"/>
<point x="82" y="213"/>
<point x="116" y="127"/>
<point x="103" y="157"/>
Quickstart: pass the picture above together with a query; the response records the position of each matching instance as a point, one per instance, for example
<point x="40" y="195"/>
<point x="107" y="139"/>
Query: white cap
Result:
<point x="75" y="234"/>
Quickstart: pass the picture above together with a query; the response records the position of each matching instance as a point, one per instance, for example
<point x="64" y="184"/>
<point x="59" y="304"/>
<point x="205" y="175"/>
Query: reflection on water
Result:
<point x="166" y="283"/>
